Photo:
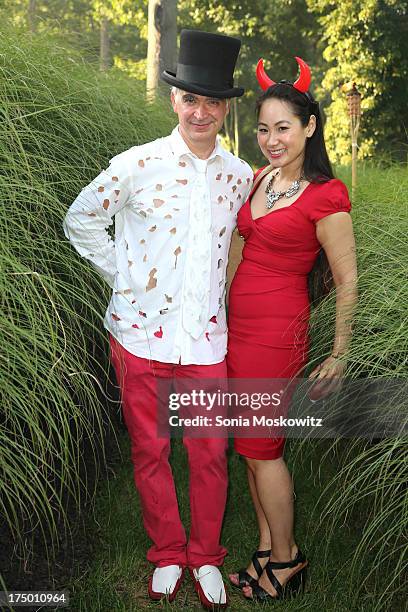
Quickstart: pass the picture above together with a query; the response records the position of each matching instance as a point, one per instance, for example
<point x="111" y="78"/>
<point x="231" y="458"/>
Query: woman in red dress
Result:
<point x="296" y="208"/>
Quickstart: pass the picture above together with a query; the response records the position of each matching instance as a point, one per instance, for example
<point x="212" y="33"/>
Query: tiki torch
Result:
<point x="354" y="110"/>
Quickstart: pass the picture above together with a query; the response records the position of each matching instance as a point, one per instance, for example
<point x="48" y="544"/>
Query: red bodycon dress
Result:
<point x="269" y="303"/>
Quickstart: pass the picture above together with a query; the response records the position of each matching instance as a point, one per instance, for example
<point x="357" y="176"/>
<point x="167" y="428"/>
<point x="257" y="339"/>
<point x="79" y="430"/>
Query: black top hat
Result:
<point x="206" y="65"/>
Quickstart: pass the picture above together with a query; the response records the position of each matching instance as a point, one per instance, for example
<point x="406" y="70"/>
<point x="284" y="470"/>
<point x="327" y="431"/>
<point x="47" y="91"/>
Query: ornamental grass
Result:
<point x="61" y="122"/>
<point x="372" y="474"/>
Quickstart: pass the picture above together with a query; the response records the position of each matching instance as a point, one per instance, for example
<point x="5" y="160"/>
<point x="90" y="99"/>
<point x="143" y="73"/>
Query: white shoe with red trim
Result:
<point x="165" y="582"/>
<point x="210" y="586"/>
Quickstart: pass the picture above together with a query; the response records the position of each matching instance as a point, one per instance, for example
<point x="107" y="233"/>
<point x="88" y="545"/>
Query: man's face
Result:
<point x="200" y="117"/>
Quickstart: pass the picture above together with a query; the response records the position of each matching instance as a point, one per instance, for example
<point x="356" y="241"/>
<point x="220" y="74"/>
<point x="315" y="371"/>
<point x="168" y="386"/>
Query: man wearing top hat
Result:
<point x="175" y="202"/>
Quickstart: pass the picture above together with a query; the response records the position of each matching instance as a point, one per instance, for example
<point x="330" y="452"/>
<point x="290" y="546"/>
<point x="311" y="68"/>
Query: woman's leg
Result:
<point x="274" y="489"/>
<point x="264" y="532"/>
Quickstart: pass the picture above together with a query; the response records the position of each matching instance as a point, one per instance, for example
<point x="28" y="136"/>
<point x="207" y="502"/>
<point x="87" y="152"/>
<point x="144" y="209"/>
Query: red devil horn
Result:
<point x="303" y="82"/>
<point x="263" y="79"/>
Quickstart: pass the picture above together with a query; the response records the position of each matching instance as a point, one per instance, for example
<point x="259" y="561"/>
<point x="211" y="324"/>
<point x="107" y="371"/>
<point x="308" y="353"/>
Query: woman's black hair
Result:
<point x="316" y="168"/>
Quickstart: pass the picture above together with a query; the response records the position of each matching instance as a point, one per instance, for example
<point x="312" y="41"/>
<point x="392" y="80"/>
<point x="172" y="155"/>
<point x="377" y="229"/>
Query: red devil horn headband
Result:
<point x="301" y="84"/>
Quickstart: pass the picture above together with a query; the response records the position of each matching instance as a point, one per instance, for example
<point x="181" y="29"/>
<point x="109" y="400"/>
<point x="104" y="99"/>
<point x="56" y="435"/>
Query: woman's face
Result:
<point x="281" y="136"/>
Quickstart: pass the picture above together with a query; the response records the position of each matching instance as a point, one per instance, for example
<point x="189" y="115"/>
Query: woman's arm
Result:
<point x="335" y="234"/>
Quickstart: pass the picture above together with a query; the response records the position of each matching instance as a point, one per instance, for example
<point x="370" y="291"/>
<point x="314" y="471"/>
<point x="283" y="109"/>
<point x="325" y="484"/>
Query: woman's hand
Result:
<point x="327" y="377"/>
<point x="331" y="367"/>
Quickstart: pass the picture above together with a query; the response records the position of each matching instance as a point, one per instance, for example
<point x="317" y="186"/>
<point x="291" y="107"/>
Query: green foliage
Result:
<point x="371" y="480"/>
<point x="78" y="22"/>
<point x="61" y="122"/>
<point x="127" y="28"/>
<point x="365" y="41"/>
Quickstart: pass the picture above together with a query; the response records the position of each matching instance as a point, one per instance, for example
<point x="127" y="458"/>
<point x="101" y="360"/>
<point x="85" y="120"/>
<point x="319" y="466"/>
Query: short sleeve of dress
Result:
<point x="332" y="197"/>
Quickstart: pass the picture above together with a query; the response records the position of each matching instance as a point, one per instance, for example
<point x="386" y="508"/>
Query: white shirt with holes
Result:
<point x="149" y="190"/>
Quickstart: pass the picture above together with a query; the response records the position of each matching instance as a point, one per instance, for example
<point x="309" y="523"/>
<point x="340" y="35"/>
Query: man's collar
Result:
<point x="180" y="147"/>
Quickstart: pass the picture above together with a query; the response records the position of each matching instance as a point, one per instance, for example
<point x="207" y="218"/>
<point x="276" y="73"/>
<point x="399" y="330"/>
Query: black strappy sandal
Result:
<point x="291" y="588"/>
<point x="245" y="579"/>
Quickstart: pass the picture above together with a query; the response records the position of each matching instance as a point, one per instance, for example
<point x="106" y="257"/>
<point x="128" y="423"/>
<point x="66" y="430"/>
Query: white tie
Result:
<point x="197" y="278"/>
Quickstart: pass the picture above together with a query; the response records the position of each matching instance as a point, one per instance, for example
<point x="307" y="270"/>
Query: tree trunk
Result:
<point x="31" y="16"/>
<point x="236" y="127"/>
<point x="104" y="45"/>
<point x="227" y="127"/>
<point x="162" y="41"/>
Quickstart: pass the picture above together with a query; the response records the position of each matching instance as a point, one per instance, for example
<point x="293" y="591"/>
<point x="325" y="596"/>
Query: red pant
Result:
<point x="152" y="472"/>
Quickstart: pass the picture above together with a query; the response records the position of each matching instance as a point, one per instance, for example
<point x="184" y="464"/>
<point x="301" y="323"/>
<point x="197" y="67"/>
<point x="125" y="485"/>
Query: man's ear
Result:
<point x="228" y="106"/>
<point x="173" y="100"/>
